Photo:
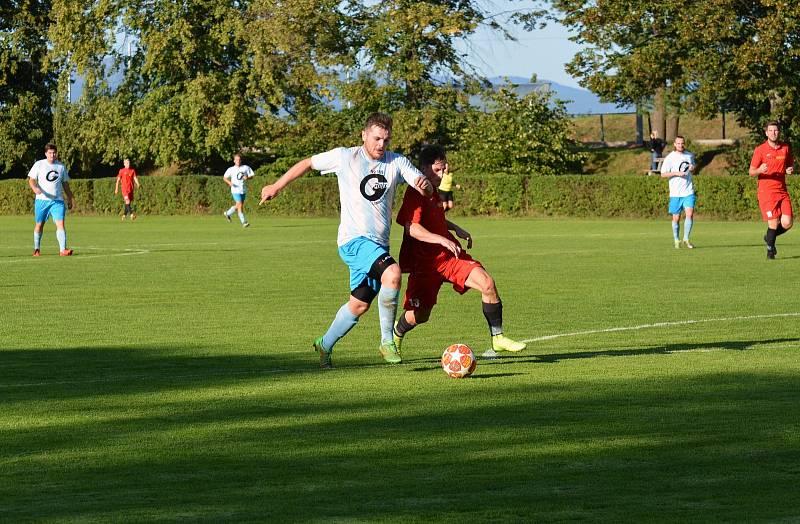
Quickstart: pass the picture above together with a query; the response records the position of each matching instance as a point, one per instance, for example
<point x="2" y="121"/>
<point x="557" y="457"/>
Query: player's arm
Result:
<point x="423" y="185"/>
<point x="67" y="193"/>
<point x="136" y="179"/>
<point x="418" y="232"/>
<point x="227" y="180"/>
<point x="460" y="233"/>
<point x="757" y="167"/>
<point x="790" y="164"/>
<point x="116" y="186"/>
<point x="270" y="191"/>
<point x="34" y="186"/>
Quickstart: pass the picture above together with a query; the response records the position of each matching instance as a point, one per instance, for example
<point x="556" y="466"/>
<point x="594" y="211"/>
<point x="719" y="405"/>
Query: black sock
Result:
<point x="781" y="230"/>
<point x="770" y="238"/>
<point x="403" y="326"/>
<point x="127" y="209"/>
<point x="494" y="317"/>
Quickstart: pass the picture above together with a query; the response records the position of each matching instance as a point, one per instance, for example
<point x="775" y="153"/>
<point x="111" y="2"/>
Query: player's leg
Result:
<point x="787" y="216"/>
<point x="687" y="226"/>
<point x="40" y="214"/>
<point x="480" y="280"/>
<point x="127" y="210"/>
<point x="59" y="212"/>
<point x="675" y="208"/>
<point x="240" y="210"/>
<point x="422" y="291"/>
<point x="231" y="210"/>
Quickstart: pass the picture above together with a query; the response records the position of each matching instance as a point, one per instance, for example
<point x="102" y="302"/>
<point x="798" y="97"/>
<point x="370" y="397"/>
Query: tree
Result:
<point x="25" y="84"/>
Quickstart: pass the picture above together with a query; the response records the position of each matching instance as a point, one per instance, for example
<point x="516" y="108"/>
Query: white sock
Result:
<point x="230" y="211"/>
<point x="241" y="218"/>
<point x="61" y="235"/>
<point x="37" y="240"/>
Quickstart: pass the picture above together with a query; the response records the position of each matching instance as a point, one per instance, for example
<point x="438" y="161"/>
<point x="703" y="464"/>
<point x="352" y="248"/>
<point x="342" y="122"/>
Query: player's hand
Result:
<point x="464" y="234"/>
<point x="69" y="203"/>
<point x="424" y="186"/>
<point x="268" y="193"/>
<point x="451" y="246"/>
<point x="790" y="170"/>
<point x="762" y="169"/>
<point x="116" y="191"/>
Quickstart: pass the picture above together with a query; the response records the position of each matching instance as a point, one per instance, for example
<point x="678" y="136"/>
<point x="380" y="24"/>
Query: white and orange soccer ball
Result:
<point x="458" y="361"/>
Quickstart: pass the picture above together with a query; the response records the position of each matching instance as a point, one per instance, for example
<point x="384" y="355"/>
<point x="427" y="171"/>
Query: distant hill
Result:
<point x="579" y="101"/>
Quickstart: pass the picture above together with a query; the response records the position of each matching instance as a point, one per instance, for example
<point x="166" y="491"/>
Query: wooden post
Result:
<point x="723" y="125"/>
<point x="602" y="129"/>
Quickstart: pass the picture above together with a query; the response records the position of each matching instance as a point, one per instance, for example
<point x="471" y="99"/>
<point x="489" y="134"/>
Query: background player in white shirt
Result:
<point x="236" y="177"/>
<point x="678" y="167"/>
<point x="368" y="177"/>
<point x="48" y="179"/>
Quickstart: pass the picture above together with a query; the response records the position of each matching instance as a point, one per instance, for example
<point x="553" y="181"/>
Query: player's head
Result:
<point x="51" y="152"/>
<point x="237" y="159"/>
<point x="654" y="134"/>
<point x="680" y="144"/>
<point x="376" y="134"/>
<point x="127" y="163"/>
<point x="433" y="163"/>
<point x="773" y="131"/>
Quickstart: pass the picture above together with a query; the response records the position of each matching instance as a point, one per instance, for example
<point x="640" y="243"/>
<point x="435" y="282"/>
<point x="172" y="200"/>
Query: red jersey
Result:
<point x="418" y="256"/>
<point x="126" y="176"/>
<point x="777" y="160"/>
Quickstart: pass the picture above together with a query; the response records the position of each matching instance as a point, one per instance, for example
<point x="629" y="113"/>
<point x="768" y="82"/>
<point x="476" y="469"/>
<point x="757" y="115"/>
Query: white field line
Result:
<point x="659" y="325"/>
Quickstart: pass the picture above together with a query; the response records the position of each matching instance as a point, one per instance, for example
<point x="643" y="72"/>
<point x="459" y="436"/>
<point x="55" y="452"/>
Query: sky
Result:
<point x="541" y="52"/>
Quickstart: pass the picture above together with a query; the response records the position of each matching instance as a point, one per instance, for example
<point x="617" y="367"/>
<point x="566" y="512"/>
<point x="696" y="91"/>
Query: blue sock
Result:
<point x="387" y="310"/>
<point x="687" y="228"/>
<point x="342" y="323"/>
<point x="61" y="235"/>
<point x="241" y="218"/>
<point x="676" y="230"/>
<point x="37" y="240"/>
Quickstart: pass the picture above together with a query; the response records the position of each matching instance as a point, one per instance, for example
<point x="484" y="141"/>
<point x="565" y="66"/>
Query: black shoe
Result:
<point x="770" y="254"/>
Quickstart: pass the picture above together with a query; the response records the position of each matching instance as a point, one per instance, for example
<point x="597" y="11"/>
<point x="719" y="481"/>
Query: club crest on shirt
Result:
<point x="374" y="186"/>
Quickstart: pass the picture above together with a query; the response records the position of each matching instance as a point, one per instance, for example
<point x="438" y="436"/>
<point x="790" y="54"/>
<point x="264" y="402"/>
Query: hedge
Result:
<point x="501" y="195"/>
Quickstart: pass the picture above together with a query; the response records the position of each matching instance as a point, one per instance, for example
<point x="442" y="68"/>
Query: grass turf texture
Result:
<point x="165" y="373"/>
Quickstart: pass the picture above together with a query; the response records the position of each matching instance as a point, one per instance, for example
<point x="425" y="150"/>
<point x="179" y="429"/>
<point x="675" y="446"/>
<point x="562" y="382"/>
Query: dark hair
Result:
<point x="680" y="136"/>
<point x="50" y="147"/>
<point x="379" y="119"/>
<point x="430" y="154"/>
<point x="772" y="123"/>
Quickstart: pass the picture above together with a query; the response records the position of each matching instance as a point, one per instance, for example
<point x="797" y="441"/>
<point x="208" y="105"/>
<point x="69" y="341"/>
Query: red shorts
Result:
<point x="773" y="205"/>
<point x="127" y="195"/>
<point x="423" y="287"/>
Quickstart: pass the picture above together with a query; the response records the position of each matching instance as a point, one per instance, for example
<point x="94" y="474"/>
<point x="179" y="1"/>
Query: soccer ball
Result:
<point x="458" y="361"/>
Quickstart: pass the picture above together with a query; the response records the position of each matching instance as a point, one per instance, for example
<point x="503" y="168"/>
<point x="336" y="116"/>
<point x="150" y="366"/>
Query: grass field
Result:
<point x="165" y="373"/>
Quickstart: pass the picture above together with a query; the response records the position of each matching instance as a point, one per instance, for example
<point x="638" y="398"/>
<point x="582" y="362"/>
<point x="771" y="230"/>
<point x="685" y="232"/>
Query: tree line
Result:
<point x="195" y="80"/>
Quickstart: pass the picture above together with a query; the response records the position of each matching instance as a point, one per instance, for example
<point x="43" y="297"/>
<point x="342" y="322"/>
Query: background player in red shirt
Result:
<point x="771" y="162"/>
<point x="128" y="177"/>
<point x="432" y="256"/>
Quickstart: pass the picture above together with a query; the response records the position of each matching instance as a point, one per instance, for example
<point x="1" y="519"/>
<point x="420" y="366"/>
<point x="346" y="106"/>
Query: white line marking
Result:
<point x="658" y="325"/>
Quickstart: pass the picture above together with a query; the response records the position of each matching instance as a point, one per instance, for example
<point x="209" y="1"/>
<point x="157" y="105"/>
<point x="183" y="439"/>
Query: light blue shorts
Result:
<point x="359" y="254"/>
<point x="238" y="197"/>
<point x="42" y="209"/>
<point x="676" y="204"/>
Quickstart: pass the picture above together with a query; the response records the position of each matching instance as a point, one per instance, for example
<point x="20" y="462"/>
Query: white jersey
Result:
<point x="679" y="186"/>
<point x="50" y="177"/>
<point x="238" y="176"/>
<point x="366" y="190"/>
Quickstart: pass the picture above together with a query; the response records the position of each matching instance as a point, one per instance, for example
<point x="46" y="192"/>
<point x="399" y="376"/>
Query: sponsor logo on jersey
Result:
<point x="51" y="175"/>
<point x="374" y="186"/>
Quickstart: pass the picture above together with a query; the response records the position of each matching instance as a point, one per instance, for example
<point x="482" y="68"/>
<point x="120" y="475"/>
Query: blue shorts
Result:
<point x="676" y="204"/>
<point x="359" y="254"/>
<point x="42" y="209"/>
<point x="238" y="197"/>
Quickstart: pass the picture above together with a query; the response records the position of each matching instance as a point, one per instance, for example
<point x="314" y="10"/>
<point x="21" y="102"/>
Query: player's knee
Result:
<point x="358" y="307"/>
<point x="392" y="277"/>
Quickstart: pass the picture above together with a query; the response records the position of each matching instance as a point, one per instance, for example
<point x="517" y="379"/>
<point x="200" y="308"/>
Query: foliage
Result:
<point x="25" y="84"/>
<point x="528" y="135"/>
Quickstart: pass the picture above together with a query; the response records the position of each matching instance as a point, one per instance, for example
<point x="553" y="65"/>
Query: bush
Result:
<point x="502" y="195"/>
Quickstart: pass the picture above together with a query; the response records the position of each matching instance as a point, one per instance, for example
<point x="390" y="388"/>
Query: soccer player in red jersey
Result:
<point x="771" y="162"/>
<point x="127" y="176"/>
<point x="432" y="256"/>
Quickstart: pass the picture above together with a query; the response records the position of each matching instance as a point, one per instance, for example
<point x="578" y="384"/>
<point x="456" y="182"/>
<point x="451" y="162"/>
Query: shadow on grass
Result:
<point x="665" y="349"/>
<point x="717" y="446"/>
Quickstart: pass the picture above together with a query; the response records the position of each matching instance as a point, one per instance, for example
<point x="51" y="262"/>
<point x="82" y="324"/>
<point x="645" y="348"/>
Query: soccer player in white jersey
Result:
<point x="678" y="167"/>
<point x="48" y="179"/>
<point x="236" y="177"/>
<point x="368" y="176"/>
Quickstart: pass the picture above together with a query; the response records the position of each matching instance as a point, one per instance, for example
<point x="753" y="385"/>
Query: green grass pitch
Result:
<point x="165" y="373"/>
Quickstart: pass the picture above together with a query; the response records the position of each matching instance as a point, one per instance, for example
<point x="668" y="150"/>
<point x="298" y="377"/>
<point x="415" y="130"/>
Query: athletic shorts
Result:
<point x="423" y="287"/>
<point x="43" y="209"/>
<point x="128" y="195"/>
<point x="677" y="204"/>
<point x="446" y="196"/>
<point x="773" y="205"/>
<point x="359" y="254"/>
<point x="238" y="197"/>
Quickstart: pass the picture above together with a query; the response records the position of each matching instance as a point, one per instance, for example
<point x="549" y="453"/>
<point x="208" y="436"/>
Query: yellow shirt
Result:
<point x="447" y="182"/>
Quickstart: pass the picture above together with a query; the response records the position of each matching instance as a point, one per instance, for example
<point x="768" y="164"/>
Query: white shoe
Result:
<point x="688" y="244"/>
<point x="677" y="244"/>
